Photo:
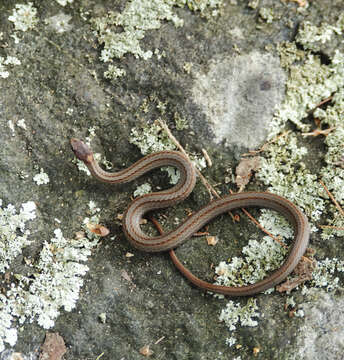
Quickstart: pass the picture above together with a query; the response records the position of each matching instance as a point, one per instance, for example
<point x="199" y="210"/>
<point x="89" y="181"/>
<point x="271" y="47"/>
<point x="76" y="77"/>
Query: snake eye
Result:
<point x="81" y="150"/>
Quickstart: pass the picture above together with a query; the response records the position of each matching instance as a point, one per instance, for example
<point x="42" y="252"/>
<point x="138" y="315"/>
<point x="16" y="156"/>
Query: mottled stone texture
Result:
<point x="228" y="99"/>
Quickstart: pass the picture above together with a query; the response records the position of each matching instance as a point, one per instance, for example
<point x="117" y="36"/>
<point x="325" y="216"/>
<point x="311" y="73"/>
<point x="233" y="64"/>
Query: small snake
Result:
<point x="170" y="240"/>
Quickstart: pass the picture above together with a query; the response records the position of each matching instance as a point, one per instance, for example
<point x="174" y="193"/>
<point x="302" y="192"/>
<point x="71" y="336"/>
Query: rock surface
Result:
<point x="227" y="95"/>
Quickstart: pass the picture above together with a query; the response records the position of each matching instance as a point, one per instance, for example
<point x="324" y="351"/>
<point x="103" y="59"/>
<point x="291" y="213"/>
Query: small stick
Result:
<point x="332" y="198"/>
<point x="253" y="152"/>
<point x="322" y="102"/>
<point x="207" y="158"/>
<point x="210" y="189"/>
<point x="331" y="227"/>
<point x="267" y="232"/>
<point x="159" y="340"/>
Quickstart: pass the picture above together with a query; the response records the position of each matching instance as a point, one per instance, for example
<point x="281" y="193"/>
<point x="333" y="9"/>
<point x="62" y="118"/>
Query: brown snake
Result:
<point x="170" y="240"/>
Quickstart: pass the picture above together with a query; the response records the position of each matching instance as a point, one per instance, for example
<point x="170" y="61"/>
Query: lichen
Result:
<point x="311" y="36"/>
<point x="4" y="63"/>
<point x="285" y="173"/>
<point x="259" y="259"/>
<point x="24" y="17"/>
<point x="64" y="2"/>
<point x="41" y="178"/>
<point x="59" y="23"/>
<point x="142" y="190"/>
<point x="152" y="138"/>
<point x="138" y="17"/>
<point x="266" y="14"/>
<point x="13" y="233"/>
<point x="114" y="72"/>
<point x="55" y="279"/>
<point x="326" y="274"/>
<point x="234" y="314"/>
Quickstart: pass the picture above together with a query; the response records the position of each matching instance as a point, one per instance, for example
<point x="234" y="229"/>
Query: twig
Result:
<point x="159" y="340"/>
<point x="253" y="152"/>
<point x="318" y="132"/>
<point x="273" y="237"/>
<point x="210" y="189"/>
<point x="332" y="198"/>
<point x="322" y="102"/>
<point x="331" y="227"/>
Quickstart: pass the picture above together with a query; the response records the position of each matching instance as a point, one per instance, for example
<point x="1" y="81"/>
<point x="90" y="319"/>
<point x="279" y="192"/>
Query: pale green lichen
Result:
<point x="24" y="17"/>
<point x="326" y="274"/>
<point x="59" y="23"/>
<point x="137" y="18"/>
<point x="259" y="259"/>
<point x="150" y="139"/>
<point x="13" y="233"/>
<point x="231" y="341"/>
<point x="311" y="36"/>
<point x="4" y="65"/>
<point x="284" y="172"/>
<point x="42" y="178"/>
<point x="64" y="2"/>
<point x="181" y="122"/>
<point x="234" y="314"/>
<point x="308" y="84"/>
<point x="253" y="4"/>
<point x="266" y="14"/>
<point x="142" y="190"/>
<point x="55" y="279"/>
<point x="121" y="33"/>
<point x="114" y="72"/>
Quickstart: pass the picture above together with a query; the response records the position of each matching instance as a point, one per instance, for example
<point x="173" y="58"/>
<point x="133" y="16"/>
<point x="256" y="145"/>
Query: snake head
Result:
<point x="81" y="150"/>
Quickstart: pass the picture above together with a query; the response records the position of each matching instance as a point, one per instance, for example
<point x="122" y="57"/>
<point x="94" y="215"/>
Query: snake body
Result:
<point x="170" y="240"/>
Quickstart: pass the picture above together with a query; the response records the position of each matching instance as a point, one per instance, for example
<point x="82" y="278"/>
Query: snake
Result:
<point x="140" y="206"/>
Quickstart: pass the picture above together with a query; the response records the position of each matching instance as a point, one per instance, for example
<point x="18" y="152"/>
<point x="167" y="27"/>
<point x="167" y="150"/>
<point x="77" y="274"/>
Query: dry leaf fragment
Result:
<point x="119" y="216"/>
<point x="146" y="351"/>
<point x="97" y="229"/>
<point x="244" y="171"/>
<point x="53" y="348"/>
<point x="212" y="240"/>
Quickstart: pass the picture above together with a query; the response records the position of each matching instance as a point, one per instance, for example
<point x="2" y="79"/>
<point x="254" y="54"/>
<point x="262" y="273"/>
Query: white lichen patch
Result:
<point x="326" y="274"/>
<point x="13" y="232"/>
<point x="24" y="17"/>
<point x="55" y="279"/>
<point x="259" y="259"/>
<point x="234" y="314"/>
<point x="285" y="174"/>
<point x="4" y="65"/>
<point x="142" y="190"/>
<point x="121" y="33"/>
<point x="21" y="124"/>
<point x="65" y="2"/>
<point x="308" y="84"/>
<point x="311" y="36"/>
<point x="59" y="23"/>
<point x="114" y="72"/>
<point x="42" y="178"/>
